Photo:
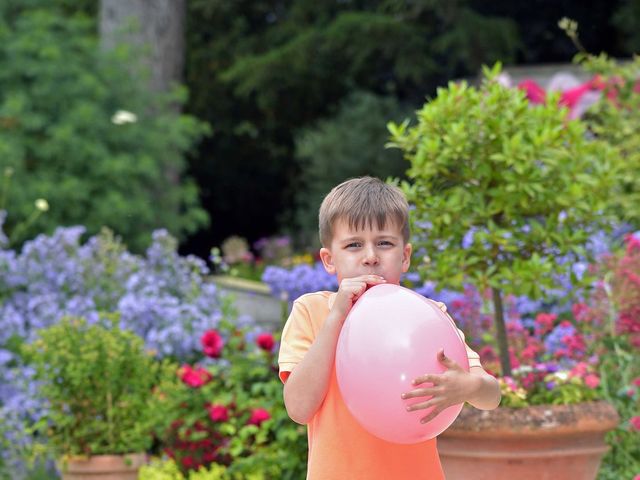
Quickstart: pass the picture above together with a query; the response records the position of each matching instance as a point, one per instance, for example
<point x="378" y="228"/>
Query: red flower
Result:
<point x="170" y="453"/>
<point x="194" y="377"/>
<point x="188" y="462"/>
<point x="635" y="423"/>
<point x="209" y="456"/>
<point x="212" y="343"/>
<point x="258" y="415"/>
<point x="218" y="413"/>
<point x="265" y="341"/>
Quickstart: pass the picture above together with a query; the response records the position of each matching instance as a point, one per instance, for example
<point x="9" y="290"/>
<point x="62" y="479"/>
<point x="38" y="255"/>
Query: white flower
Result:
<point x="561" y="375"/>
<point x="522" y="369"/>
<point x="122" y="116"/>
<point x="42" y="205"/>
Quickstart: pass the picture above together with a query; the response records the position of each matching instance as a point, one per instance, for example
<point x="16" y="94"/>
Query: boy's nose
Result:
<point x="370" y="258"/>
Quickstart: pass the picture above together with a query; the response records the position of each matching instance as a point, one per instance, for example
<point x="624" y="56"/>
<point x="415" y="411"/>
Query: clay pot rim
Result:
<point x="535" y="420"/>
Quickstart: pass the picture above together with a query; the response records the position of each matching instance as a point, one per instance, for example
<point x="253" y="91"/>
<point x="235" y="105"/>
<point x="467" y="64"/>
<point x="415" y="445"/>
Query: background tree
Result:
<point x="277" y="67"/>
<point x="78" y="131"/>
<point x="156" y="28"/>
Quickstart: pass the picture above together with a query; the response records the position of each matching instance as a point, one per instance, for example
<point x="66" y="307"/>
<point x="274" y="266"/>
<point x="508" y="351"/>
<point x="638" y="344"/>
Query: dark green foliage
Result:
<point x="58" y="99"/>
<point x="627" y="18"/>
<point x="262" y="70"/>
<point x="332" y="151"/>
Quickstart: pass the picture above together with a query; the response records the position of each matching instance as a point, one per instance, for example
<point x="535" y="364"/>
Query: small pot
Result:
<point x="104" y="467"/>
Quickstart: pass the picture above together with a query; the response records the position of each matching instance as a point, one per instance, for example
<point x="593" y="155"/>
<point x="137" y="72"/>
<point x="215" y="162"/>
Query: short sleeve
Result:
<point x="297" y="337"/>
<point x="473" y="357"/>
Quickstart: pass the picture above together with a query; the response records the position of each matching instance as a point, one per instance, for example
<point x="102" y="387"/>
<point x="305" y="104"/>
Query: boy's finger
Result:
<point x="419" y="392"/>
<point x="431" y="416"/>
<point x="422" y="405"/>
<point x="371" y="278"/>
<point x="428" y="378"/>
<point x="446" y="361"/>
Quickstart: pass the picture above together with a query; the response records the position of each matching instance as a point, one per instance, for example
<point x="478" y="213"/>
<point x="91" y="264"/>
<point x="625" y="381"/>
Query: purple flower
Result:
<point x="298" y="280"/>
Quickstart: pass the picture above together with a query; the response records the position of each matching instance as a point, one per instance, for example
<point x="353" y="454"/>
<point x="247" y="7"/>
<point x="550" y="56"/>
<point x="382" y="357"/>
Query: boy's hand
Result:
<point x="444" y="390"/>
<point x="350" y="290"/>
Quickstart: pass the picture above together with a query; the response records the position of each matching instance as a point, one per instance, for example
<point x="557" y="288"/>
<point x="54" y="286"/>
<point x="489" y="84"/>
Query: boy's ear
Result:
<point x="327" y="260"/>
<point x="406" y="257"/>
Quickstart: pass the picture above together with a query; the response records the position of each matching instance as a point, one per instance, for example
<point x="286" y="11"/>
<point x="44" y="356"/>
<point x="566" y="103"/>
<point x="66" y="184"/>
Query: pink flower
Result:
<point x="544" y="322"/>
<point x="579" y="310"/>
<point x="488" y="354"/>
<point x="591" y="380"/>
<point x="635" y="423"/>
<point x="636" y="381"/>
<point x="212" y="343"/>
<point x="633" y="243"/>
<point x="258" y="415"/>
<point x="194" y="377"/>
<point x="535" y="93"/>
<point x="188" y="462"/>
<point x="530" y="351"/>
<point x="265" y="341"/>
<point x="580" y="369"/>
<point x="218" y="413"/>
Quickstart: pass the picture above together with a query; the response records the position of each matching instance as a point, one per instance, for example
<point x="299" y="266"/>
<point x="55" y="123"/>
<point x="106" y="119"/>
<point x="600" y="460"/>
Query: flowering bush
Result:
<point x="227" y="410"/>
<point x="164" y="298"/>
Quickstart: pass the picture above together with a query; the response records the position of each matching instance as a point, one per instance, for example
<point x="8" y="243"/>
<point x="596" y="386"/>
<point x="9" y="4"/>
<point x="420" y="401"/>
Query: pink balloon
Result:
<point x="391" y="336"/>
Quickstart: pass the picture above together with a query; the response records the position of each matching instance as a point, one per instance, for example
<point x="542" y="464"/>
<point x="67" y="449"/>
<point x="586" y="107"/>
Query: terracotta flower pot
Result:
<point x="104" y="467"/>
<point x="533" y="443"/>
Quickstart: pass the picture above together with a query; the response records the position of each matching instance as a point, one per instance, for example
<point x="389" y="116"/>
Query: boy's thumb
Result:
<point x="443" y="359"/>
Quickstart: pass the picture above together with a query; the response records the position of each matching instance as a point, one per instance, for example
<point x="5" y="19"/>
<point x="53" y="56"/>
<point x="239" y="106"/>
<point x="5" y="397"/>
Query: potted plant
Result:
<point x="98" y="382"/>
<point x="506" y="197"/>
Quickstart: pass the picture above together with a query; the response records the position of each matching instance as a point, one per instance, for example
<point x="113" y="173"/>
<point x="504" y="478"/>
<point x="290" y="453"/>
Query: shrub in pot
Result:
<point x="98" y="381"/>
<point x="506" y="196"/>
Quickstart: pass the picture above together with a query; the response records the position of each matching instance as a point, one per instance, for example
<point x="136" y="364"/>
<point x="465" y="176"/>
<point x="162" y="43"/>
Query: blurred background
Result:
<point x="215" y="119"/>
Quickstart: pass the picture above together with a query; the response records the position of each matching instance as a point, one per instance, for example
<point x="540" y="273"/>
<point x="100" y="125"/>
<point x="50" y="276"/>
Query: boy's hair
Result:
<point x="361" y="201"/>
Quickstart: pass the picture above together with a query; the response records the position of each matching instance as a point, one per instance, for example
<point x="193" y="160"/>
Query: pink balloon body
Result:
<point x="391" y="336"/>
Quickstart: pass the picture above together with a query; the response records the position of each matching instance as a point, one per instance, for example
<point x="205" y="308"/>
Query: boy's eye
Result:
<point x="354" y="245"/>
<point x="385" y="243"/>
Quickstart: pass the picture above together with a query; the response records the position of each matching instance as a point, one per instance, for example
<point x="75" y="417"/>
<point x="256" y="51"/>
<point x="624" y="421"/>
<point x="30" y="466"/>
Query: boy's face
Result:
<point x="369" y="251"/>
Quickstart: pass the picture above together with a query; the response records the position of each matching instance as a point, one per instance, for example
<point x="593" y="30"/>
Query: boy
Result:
<point x="364" y="232"/>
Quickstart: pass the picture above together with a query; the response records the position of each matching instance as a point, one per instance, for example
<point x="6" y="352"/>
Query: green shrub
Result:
<point x="502" y="189"/>
<point x="98" y="382"/>
<point x="79" y="130"/>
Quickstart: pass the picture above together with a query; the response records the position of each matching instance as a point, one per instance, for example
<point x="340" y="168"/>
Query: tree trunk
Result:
<point x="501" y="330"/>
<point x="155" y="26"/>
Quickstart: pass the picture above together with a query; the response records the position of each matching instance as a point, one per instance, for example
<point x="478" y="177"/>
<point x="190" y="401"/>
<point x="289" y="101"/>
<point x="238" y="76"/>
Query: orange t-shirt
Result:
<point x="339" y="448"/>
